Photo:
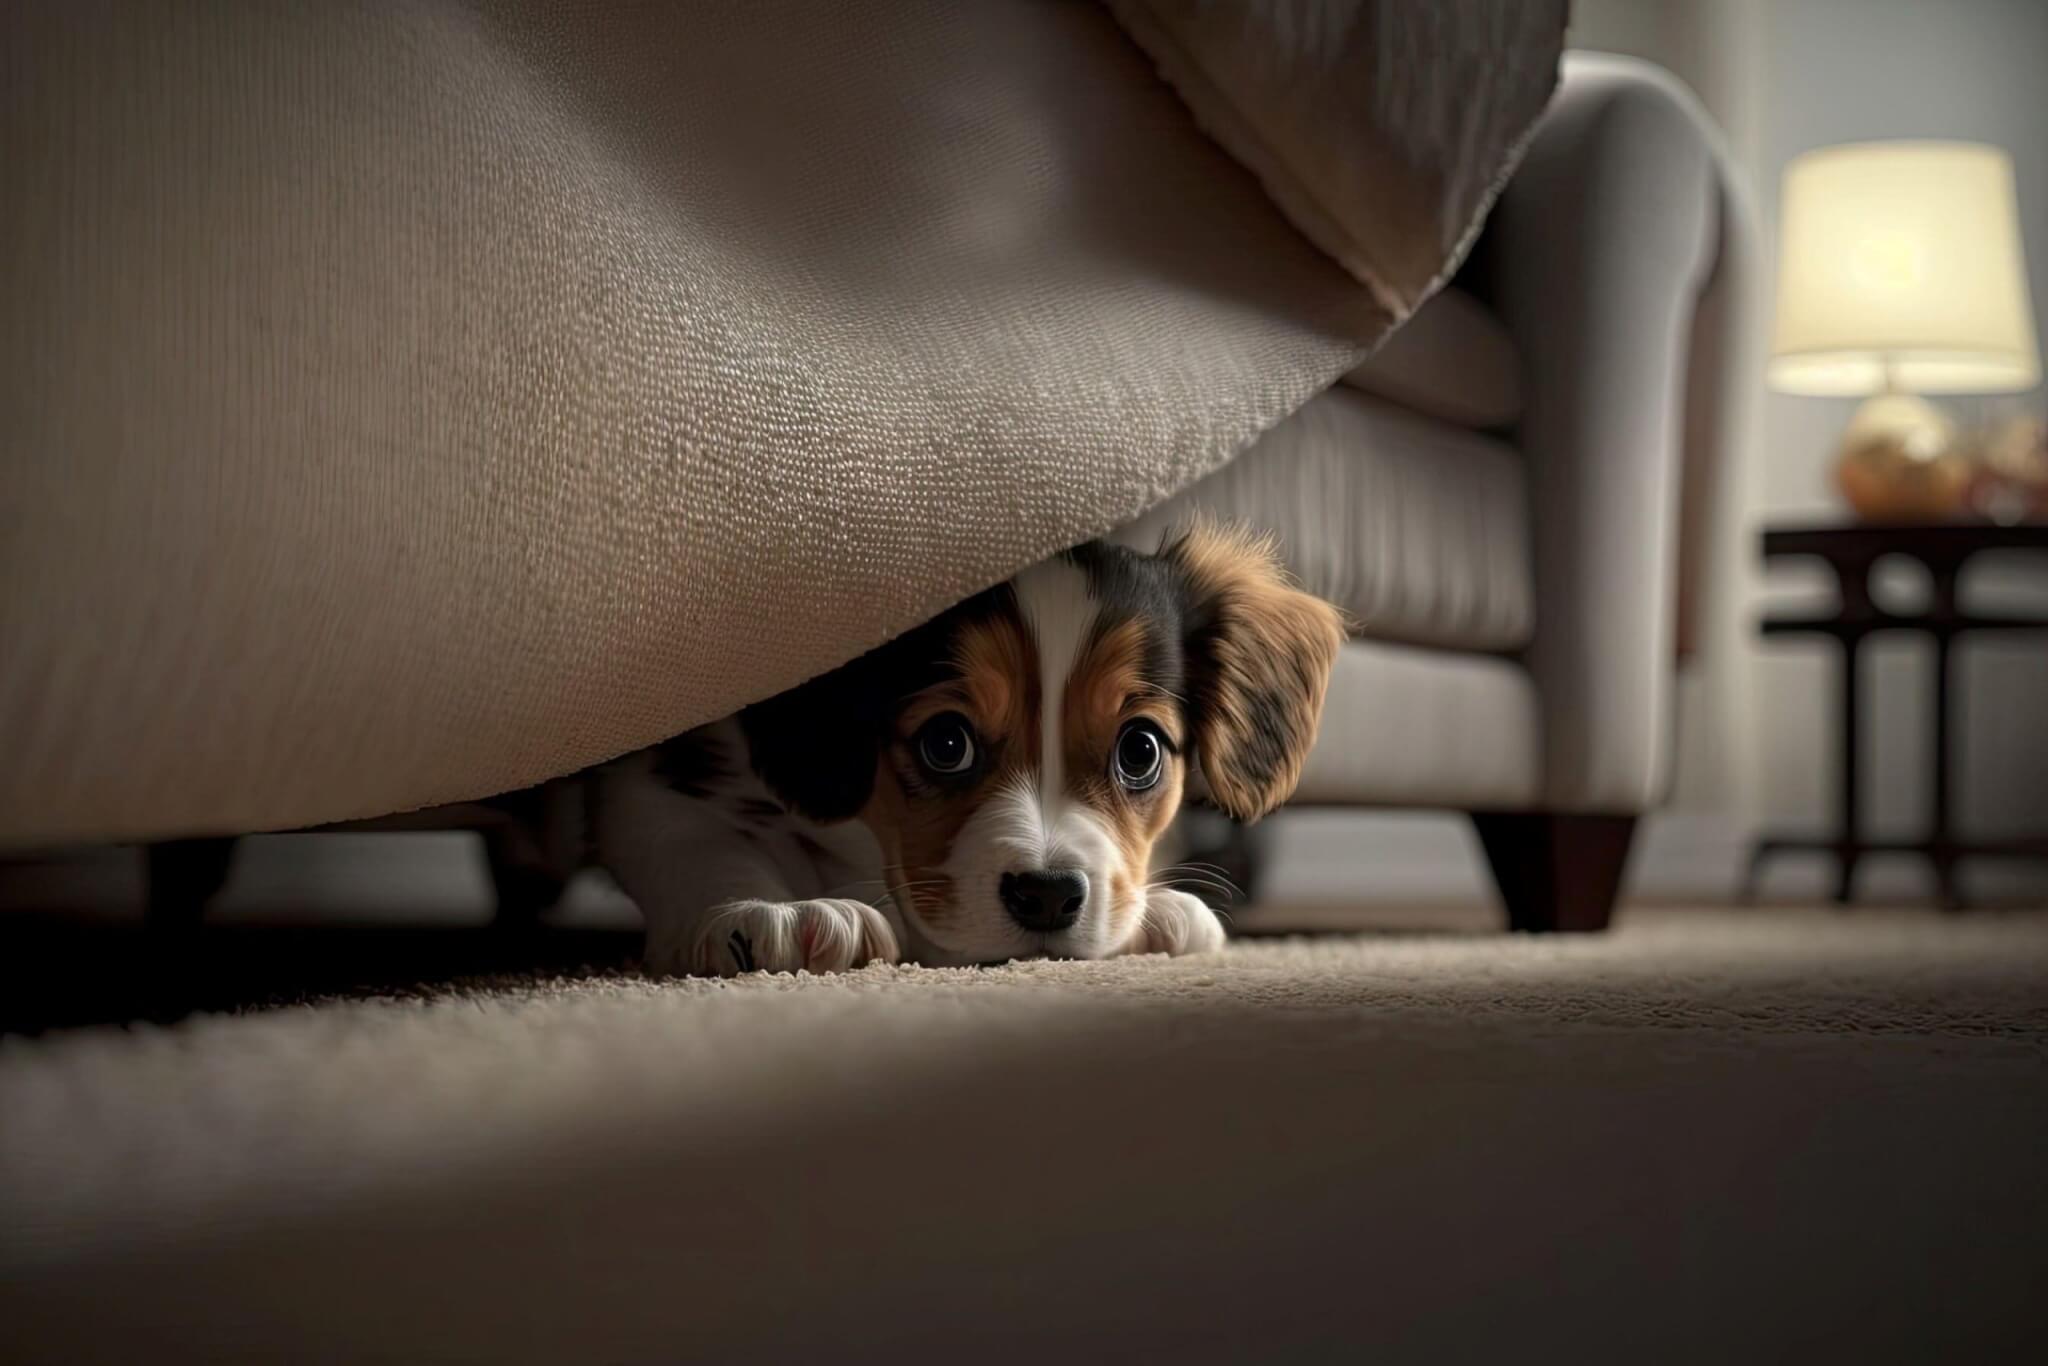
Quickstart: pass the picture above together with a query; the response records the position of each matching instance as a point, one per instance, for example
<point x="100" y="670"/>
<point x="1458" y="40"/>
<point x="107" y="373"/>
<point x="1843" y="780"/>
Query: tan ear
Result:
<point x="1259" y="654"/>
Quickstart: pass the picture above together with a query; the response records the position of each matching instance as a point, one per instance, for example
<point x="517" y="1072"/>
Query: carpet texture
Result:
<point x="1707" y="1136"/>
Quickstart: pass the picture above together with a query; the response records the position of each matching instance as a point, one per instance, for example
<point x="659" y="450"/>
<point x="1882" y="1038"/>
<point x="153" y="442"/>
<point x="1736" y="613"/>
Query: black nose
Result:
<point x="1044" y="901"/>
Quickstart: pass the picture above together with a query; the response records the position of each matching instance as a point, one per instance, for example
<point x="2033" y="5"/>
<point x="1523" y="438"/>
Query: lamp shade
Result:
<point x="1899" y="265"/>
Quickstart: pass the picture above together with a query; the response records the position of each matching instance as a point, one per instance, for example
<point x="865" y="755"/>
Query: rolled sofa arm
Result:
<point x="1600" y="248"/>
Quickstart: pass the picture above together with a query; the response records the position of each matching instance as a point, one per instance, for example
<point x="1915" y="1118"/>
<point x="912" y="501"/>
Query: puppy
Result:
<point x="988" y="786"/>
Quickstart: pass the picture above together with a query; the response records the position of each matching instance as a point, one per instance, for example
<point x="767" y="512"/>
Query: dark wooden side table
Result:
<point x="1851" y="551"/>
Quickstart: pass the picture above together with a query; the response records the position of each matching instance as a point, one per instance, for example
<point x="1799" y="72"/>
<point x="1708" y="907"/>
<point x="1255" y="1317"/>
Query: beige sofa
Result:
<point x="324" y="503"/>
<point x="1511" y="498"/>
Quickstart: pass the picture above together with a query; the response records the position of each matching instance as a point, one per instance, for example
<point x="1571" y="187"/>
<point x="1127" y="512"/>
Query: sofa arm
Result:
<point x="1599" y="250"/>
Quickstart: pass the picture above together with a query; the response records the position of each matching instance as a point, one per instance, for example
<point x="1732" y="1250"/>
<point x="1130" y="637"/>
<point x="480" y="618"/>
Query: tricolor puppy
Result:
<point x="988" y="786"/>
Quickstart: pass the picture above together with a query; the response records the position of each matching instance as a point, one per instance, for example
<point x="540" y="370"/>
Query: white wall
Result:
<point x="1844" y="70"/>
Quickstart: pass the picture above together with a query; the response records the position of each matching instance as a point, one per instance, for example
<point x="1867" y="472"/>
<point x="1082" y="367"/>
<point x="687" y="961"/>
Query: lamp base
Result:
<point x="1898" y="462"/>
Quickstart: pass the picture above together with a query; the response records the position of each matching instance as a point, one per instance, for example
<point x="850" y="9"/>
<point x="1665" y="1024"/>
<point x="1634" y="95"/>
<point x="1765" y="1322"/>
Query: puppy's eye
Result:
<point x="945" y="744"/>
<point x="1140" y="755"/>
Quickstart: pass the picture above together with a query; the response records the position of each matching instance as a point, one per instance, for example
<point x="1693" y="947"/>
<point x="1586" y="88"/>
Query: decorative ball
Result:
<point x="1899" y="462"/>
<point x="2010" y="477"/>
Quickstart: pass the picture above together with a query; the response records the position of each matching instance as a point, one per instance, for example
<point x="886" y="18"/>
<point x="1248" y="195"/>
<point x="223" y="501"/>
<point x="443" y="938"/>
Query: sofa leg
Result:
<point x="183" y="875"/>
<point x="1556" y="872"/>
<point x="525" y="886"/>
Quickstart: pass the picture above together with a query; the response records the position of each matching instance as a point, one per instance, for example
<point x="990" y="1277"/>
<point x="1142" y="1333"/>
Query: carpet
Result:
<point x="1706" y="1136"/>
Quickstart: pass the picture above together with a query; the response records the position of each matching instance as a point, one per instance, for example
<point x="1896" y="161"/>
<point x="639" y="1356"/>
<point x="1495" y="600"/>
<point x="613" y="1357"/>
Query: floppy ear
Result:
<point x="1259" y="653"/>
<point x="816" y="745"/>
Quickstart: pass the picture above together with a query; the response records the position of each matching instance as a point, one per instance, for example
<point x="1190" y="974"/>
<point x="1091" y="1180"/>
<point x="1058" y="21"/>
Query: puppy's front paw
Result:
<point x="791" y="936"/>
<point x="1177" y="923"/>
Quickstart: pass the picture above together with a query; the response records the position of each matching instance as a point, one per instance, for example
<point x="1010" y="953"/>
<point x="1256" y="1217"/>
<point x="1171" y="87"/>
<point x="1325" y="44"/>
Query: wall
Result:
<point x="1845" y="70"/>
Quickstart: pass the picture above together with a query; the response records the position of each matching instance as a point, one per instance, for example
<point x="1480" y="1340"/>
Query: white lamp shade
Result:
<point x="1902" y="257"/>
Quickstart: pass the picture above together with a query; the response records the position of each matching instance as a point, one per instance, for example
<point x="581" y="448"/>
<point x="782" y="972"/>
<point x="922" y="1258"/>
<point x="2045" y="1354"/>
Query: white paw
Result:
<point x="1177" y="923"/>
<point x="791" y="936"/>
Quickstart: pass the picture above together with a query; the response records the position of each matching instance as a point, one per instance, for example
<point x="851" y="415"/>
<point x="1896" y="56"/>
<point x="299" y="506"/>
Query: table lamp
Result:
<point x="1900" y="274"/>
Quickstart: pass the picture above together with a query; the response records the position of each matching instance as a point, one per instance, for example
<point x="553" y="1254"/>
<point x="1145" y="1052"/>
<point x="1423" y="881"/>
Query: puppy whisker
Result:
<point x="1198" y="875"/>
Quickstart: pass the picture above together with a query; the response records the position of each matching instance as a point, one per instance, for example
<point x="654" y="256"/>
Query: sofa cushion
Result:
<point x="1416" y="528"/>
<point x="1453" y="360"/>
<point x="1412" y="727"/>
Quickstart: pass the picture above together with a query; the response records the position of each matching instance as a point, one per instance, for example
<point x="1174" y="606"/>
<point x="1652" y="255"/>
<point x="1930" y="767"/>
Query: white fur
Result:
<point x="1059" y="612"/>
<point x="1177" y="923"/>
<point x="829" y="934"/>
<point x="1009" y="834"/>
<point x="1036" y="824"/>
<point x="699" y="873"/>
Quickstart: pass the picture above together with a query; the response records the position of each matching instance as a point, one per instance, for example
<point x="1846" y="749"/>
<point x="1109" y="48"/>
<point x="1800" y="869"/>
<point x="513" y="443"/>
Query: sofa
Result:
<point x="1514" y="497"/>
<point x="461" y="426"/>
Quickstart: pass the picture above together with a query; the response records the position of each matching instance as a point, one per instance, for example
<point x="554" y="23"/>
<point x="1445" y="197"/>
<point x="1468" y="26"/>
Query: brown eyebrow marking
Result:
<point x="1109" y="688"/>
<point x="997" y="676"/>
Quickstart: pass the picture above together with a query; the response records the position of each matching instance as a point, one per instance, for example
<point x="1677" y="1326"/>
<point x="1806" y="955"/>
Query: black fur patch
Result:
<point x="1131" y="586"/>
<point x="1203" y="630"/>
<point x="692" y="764"/>
<point x="1263" y="755"/>
<point x="816" y="746"/>
<point x="742" y="950"/>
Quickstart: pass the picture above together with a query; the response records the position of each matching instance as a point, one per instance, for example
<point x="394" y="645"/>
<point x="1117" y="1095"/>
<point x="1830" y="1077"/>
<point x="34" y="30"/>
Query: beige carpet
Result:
<point x="1708" y="1136"/>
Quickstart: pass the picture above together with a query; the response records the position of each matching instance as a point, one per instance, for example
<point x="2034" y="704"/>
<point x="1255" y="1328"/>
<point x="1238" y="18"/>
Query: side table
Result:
<point x="1850" y="551"/>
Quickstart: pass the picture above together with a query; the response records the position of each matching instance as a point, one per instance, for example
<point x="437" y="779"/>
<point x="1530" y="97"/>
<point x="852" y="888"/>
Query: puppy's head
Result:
<point x="1017" y="757"/>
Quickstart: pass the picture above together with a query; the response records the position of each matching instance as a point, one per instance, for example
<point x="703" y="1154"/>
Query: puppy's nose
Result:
<point x="1044" y="902"/>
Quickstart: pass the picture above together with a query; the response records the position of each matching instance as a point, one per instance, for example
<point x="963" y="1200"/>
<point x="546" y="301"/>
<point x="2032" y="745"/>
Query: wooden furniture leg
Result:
<point x="1556" y="872"/>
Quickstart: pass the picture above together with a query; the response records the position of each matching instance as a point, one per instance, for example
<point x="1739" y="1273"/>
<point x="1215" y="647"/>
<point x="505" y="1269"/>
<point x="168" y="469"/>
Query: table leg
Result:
<point x="1852" y="830"/>
<point x="1753" y="875"/>
<point x="1940" y="839"/>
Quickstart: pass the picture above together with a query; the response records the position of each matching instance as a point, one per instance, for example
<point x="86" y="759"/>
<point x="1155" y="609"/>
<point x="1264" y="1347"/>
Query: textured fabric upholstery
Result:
<point x="1432" y="728"/>
<point x="1619" y="262"/>
<point x="1453" y="360"/>
<point x="1342" y="112"/>
<point x="409" y="402"/>
<point x="1599" y="252"/>
<point x="1417" y="529"/>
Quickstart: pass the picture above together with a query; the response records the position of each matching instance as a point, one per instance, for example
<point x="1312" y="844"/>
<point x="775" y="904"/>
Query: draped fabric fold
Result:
<point x="407" y="402"/>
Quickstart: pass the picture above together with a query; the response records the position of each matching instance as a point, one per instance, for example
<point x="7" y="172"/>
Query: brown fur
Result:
<point x="915" y="836"/>
<point x="1259" y="667"/>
